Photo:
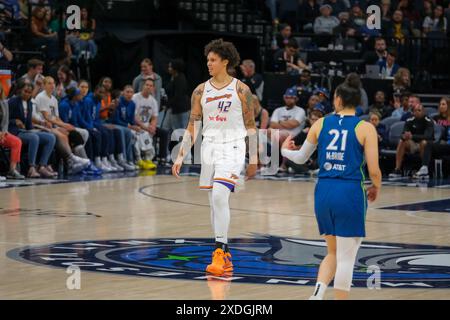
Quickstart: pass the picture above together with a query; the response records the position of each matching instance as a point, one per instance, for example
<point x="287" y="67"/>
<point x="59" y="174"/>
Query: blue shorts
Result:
<point x="340" y="207"/>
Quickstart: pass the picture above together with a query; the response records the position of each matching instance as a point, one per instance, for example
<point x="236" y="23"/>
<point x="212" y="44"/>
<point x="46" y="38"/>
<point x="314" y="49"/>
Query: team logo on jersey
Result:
<point x="266" y="259"/>
<point x="225" y="96"/>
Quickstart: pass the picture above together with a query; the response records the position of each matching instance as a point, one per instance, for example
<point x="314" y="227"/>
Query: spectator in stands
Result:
<point x="5" y="57"/>
<point x="325" y="23"/>
<point x="380" y="105"/>
<point x="337" y="6"/>
<point x="398" y="28"/>
<point x="386" y="13"/>
<point x="20" y="125"/>
<point x="324" y="98"/>
<point x="124" y="119"/>
<point x="251" y="78"/>
<point x="345" y="28"/>
<point x="379" y="55"/>
<point x="83" y="40"/>
<point x="8" y="140"/>
<point x="418" y="135"/>
<point x="261" y="114"/>
<point x="305" y="88"/>
<point x="375" y="118"/>
<point x="413" y="101"/>
<point x="312" y="103"/>
<point x="106" y="107"/>
<point x="284" y="35"/>
<point x="388" y="67"/>
<point x="411" y="15"/>
<point x="112" y="138"/>
<point x="147" y="118"/>
<point x="47" y="118"/>
<point x="442" y="148"/>
<point x="41" y="34"/>
<point x="401" y="83"/>
<point x="148" y="73"/>
<point x="288" y="120"/>
<point x="357" y="16"/>
<point x="177" y="94"/>
<point x="309" y="11"/>
<point x="65" y="81"/>
<point x="34" y="75"/>
<point x="289" y="56"/>
<point x="437" y="23"/>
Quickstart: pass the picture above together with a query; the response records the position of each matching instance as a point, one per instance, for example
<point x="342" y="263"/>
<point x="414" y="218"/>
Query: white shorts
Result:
<point x="221" y="163"/>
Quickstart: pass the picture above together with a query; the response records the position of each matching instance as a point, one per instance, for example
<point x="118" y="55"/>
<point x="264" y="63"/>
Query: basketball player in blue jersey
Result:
<point x="224" y="105"/>
<point x="344" y="144"/>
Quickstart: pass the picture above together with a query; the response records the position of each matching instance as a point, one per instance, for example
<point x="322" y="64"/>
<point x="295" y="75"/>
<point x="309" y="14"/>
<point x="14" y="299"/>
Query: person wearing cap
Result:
<point x="325" y="23"/>
<point x="20" y="125"/>
<point x="289" y="119"/>
<point x="324" y="96"/>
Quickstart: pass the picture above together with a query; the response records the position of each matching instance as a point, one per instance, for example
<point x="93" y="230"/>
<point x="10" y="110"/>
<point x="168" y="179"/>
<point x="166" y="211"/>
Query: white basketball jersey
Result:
<point x="222" y="113"/>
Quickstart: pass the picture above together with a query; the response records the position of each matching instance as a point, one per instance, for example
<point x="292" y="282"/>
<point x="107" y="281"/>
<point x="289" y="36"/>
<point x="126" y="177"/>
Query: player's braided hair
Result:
<point x="224" y="49"/>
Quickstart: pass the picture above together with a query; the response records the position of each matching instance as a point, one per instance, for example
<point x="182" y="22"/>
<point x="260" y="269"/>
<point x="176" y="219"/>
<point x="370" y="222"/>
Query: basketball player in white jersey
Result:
<point x="225" y="105"/>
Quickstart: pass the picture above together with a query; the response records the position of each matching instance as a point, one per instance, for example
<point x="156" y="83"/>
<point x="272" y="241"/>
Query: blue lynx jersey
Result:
<point x="340" y="153"/>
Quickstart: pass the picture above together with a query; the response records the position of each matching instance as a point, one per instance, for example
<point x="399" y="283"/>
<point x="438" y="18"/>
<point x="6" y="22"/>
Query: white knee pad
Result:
<point x="346" y="251"/>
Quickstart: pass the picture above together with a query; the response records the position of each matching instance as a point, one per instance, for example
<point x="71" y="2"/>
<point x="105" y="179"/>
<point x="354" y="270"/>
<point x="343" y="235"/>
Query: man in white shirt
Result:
<point x="146" y="117"/>
<point x="47" y="117"/>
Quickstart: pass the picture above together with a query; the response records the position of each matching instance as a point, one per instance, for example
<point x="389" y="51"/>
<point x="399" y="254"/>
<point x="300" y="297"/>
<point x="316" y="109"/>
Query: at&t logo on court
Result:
<point x="264" y="260"/>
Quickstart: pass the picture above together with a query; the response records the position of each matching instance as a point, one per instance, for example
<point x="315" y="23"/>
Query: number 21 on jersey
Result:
<point x="333" y="146"/>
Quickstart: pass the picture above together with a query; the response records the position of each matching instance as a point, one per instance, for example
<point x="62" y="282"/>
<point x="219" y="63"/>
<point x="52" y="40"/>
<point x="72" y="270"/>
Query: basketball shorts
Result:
<point x="340" y="207"/>
<point x="221" y="163"/>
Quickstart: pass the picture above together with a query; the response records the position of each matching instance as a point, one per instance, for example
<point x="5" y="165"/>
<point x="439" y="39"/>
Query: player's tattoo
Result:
<point x="194" y="117"/>
<point x="247" y="108"/>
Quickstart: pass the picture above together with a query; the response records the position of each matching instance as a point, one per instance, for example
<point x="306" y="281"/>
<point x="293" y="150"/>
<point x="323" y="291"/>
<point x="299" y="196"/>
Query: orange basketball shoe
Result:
<point x="221" y="263"/>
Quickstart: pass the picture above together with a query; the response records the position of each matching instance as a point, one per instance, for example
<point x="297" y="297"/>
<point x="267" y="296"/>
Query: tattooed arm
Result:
<point x="249" y="120"/>
<point x="191" y="132"/>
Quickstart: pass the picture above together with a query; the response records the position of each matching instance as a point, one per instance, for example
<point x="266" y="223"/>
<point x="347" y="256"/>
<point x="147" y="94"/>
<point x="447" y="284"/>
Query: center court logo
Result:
<point x="264" y="260"/>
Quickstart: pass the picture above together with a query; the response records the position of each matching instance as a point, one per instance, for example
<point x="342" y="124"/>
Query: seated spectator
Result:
<point x="290" y="58"/>
<point x="82" y="42"/>
<point x="398" y="28"/>
<point x="324" y="98"/>
<point x="5" y="57"/>
<point x="357" y="16"/>
<point x="413" y="101"/>
<point x="309" y="11"/>
<point x="20" y="125"/>
<point x="261" y="114"/>
<point x="418" y="136"/>
<point x="325" y="23"/>
<point x="284" y="35"/>
<point x="46" y="117"/>
<point x="305" y="88"/>
<point x="34" y="75"/>
<point x="287" y="120"/>
<point x="313" y="101"/>
<point x="436" y="23"/>
<point x="251" y="78"/>
<point x="386" y="13"/>
<point x="148" y="73"/>
<point x="401" y="83"/>
<point x="112" y="138"/>
<point x="426" y="10"/>
<point x="177" y="95"/>
<point x="388" y="67"/>
<point x="124" y="119"/>
<point x="337" y="6"/>
<point x="41" y="34"/>
<point x="147" y="119"/>
<point x="380" y="105"/>
<point x="411" y="15"/>
<point x="106" y="108"/>
<point x="442" y="148"/>
<point x="379" y="55"/>
<point x="65" y="81"/>
<point x="345" y="28"/>
<point x="375" y="118"/>
<point x="8" y="140"/>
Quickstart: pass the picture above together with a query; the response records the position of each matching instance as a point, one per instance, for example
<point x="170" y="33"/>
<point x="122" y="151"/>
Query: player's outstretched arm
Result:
<point x="191" y="133"/>
<point x="248" y="114"/>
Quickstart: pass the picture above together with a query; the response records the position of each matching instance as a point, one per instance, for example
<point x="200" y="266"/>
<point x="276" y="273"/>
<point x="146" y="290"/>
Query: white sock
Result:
<point x="211" y="206"/>
<point x="319" y="291"/>
<point x="220" y="197"/>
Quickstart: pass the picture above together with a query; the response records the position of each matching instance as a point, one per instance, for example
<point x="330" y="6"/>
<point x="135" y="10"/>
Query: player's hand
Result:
<point x="288" y="144"/>
<point x="372" y="193"/>
<point x="176" y="167"/>
<point x="251" y="171"/>
<point x="2" y="136"/>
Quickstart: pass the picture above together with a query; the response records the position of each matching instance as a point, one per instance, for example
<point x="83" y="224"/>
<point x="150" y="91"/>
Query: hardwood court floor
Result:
<point x="162" y="207"/>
